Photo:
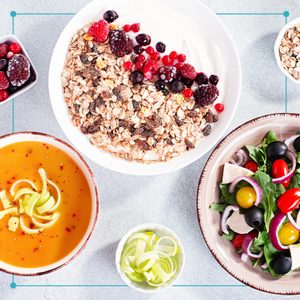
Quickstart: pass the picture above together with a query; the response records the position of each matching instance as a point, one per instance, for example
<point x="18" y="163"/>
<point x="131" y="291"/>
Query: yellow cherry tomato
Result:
<point x="288" y="234"/>
<point x="246" y="196"/>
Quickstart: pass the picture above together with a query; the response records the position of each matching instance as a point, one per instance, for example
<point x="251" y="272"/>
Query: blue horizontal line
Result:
<point x="45" y="14"/>
<point x="249" y="14"/>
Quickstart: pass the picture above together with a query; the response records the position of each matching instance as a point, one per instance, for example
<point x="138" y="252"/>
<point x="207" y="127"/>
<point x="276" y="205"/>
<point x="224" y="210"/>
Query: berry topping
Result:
<point x="160" y="47"/>
<point x="137" y="77"/>
<point x="110" y="16"/>
<point x="141" y="57"/>
<point x="4" y="83"/>
<point x="3" y="95"/>
<point x="138" y="49"/>
<point x="188" y="82"/>
<point x="165" y="92"/>
<point x="126" y="27"/>
<point x="213" y="79"/>
<point x="167" y="61"/>
<point x="160" y="85"/>
<point x="119" y="42"/>
<point x="173" y="55"/>
<point x="149" y="50"/>
<point x="206" y="94"/>
<point x="18" y="70"/>
<point x="128" y="65"/>
<point x="219" y="107"/>
<point x="10" y="54"/>
<point x="143" y="39"/>
<point x="201" y="78"/>
<point x="187" y="93"/>
<point x="188" y="71"/>
<point x="15" y="48"/>
<point x="139" y="65"/>
<point x="181" y="57"/>
<point x="3" y="50"/>
<point x="179" y="66"/>
<point x="99" y="31"/>
<point x="177" y="86"/>
<point x="135" y="27"/>
<point x="3" y="64"/>
<point x="167" y="74"/>
<point x="155" y="56"/>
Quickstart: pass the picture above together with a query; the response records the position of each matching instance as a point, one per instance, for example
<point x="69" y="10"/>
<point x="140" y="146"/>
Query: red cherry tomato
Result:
<point x="237" y="241"/>
<point x="251" y="165"/>
<point x="279" y="169"/>
<point x="289" y="200"/>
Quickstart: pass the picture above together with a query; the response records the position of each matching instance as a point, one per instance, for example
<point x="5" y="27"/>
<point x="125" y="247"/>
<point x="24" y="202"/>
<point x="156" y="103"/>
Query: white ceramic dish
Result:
<point x="160" y="230"/>
<point x="79" y="160"/>
<point x="192" y="29"/>
<point x="13" y="38"/>
<point x="276" y="48"/>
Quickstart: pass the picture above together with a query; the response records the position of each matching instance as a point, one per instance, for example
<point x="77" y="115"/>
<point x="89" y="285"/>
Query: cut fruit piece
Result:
<point x="232" y="171"/>
<point x="237" y="223"/>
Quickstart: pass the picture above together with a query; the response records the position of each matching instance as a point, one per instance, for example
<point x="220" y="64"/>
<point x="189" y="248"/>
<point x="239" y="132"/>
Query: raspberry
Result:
<point x="167" y="61"/>
<point x="188" y="71"/>
<point x="167" y="74"/>
<point x="160" y="47"/>
<point x="173" y="55"/>
<point x="126" y="27"/>
<point x="4" y="83"/>
<point x="187" y="93"/>
<point x="15" y="48"/>
<point x="213" y="79"/>
<point x="135" y="27"/>
<point x="181" y="57"/>
<point x="18" y="70"/>
<point x="120" y="43"/>
<point x="3" y="95"/>
<point x="201" y="78"/>
<point x="127" y="65"/>
<point x="206" y="94"/>
<point x="219" y="107"/>
<point x="99" y="31"/>
<point x="3" y="50"/>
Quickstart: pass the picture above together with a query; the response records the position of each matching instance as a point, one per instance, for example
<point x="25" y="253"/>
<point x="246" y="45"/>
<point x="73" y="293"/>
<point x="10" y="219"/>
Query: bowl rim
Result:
<point x="96" y="200"/>
<point x="120" y="247"/>
<point x="200" y="212"/>
<point x="279" y="37"/>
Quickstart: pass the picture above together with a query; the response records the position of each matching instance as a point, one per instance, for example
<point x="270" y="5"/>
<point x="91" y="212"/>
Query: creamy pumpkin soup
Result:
<point x="45" y="204"/>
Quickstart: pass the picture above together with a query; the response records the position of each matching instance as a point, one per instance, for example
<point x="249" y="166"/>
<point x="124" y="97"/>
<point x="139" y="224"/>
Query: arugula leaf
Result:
<point x="259" y="156"/>
<point x="227" y="197"/>
<point x="260" y="240"/>
<point x="270" y="137"/>
<point x="218" y="207"/>
<point x="298" y="157"/>
<point x="228" y="236"/>
<point x="270" y="252"/>
<point x="295" y="182"/>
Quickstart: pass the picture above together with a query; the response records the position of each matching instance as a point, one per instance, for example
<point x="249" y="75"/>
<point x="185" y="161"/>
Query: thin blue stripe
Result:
<point x="249" y="14"/>
<point x="45" y="14"/>
<point x="13" y="100"/>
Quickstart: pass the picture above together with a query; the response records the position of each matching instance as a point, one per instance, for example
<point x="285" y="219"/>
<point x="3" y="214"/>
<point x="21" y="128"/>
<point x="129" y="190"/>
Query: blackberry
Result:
<point x="143" y="39"/>
<point x="201" y="78"/>
<point x="120" y="43"/>
<point x="165" y="92"/>
<point x="167" y="74"/>
<point x="188" y="82"/>
<point x="137" y="77"/>
<point x="206" y="94"/>
<point x="160" y="85"/>
<point x="138" y="49"/>
<point x="177" y="86"/>
<point x="3" y="64"/>
<point x="213" y="79"/>
<point x="110" y="16"/>
<point x="160" y="47"/>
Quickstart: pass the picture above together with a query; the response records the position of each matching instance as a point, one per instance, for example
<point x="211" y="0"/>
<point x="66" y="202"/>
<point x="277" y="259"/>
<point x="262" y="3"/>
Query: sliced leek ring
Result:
<point x="46" y="207"/>
<point x="29" y="230"/>
<point x="45" y="225"/>
<point x="13" y="187"/>
<point x="11" y="210"/>
<point x="4" y="200"/>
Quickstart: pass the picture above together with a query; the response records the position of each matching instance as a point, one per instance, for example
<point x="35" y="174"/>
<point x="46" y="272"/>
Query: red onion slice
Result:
<point x="257" y="188"/>
<point x="241" y="157"/>
<point x="292" y="221"/>
<point x="225" y="216"/>
<point x="264" y="266"/>
<point x="247" y="242"/>
<point x="244" y="257"/>
<point x="289" y="142"/>
<point x="291" y="156"/>
<point x="275" y="225"/>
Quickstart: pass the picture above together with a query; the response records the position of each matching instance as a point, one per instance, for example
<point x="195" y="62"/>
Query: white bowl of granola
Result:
<point x="137" y="129"/>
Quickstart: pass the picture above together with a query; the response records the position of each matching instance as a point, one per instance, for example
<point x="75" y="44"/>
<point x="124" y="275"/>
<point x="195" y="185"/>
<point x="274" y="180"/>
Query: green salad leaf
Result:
<point x="295" y="181"/>
<point x="218" y="206"/>
<point x="270" y="137"/>
<point x="228" y="236"/>
<point x="227" y="197"/>
<point x="270" y="252"/>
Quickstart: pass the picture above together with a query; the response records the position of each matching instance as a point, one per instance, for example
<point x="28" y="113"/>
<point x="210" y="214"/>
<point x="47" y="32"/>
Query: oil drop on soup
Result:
<point x="45" y="205"/>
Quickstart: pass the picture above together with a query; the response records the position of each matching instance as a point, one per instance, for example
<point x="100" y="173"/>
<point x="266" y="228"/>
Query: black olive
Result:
<point x="296" y="144"/>
<point x="254" y="216"/>
<point x="276" y="150"/>
<point x="282" y="264"/>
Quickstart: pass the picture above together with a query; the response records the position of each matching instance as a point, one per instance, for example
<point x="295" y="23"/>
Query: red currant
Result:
<point x="219" y="107"/>
<point x="167" y="61"/>
<point x="173" y="55"/>
<point x="126" y="27"/>
<point x="178" y="66"/>
<point x="15" y="48"/>
<point x="3" y="95"/>
<point x="181" y="57"/>
<point x="155" y="56"/>
<point x="135" y="27"/>
<point x="128" y="65"/>
<point x="139" y="65"/>
<point x="187" y="93"/>
<point x="141" y="57"/>
<point x="251" y="165"/>
<point x="149" y="50"/>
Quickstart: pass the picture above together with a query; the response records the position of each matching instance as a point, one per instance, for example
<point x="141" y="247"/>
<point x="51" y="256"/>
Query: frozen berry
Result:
<point x="4" y="83"/>
<point x="135" y="27"/>
<point x="187" y="93"/>
<point x="127" y="65"/>
<point x="201" y="78"/>
<point x="15" y="48"/>
<point x="138" y="49"/>
<point x="3" y="64"/>
<point x="18" y="70"/>
<point x="173" y="55"/>
<point x="188" y="71"/>
<point x="120" y="43"/>
<point x="160" y="47"/>
<point x="165" y="92"/>
<point x="143" y="39"/>
<point x="137" y="77"/>
<point x="160" y="85"/>
<point x="188" y="82"/>
<point x="219" y="107"/>
<point x="177" y="86"/>
<point x="139" y="65"/>
<point x="149" y="50"/>
<point x="213" y="79"/>
<point x="99" y="31"/>
<point x="167" y="61"/>
<point x="3" y="95"/>
<point x="141" y="57"/>
<point x="3" y="50"/>
<point x="206" y="94"/>
<point x="167" y="74"/>
<point x="10" y="54"/>
<point x="181" y="58"/>
<point x="155" y="56"/>
<point x="12" y="89"/>
<point x="179" y="65"/>
<point x="110" y="16"/>
<point x="126" y="27"/>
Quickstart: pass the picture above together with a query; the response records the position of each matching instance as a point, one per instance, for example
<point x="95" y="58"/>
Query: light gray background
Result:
<point x="127" y="200"/>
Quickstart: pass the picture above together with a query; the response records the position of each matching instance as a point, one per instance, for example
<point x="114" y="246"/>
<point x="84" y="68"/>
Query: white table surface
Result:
<point x="167" y="199"/>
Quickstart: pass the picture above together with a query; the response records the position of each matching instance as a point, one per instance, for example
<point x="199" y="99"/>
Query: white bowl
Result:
<point x="13" y="38"/>
<point x="201" y="35"/>
<point x="81" y="163"/>
<point x="276" y="48"/>
<point x="161" y="231"/>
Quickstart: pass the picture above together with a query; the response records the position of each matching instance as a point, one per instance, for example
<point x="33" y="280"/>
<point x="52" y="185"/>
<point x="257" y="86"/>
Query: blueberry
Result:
<point x="201" y="78"/>
<point x="177" y="86"/>
<point x="3" y="64"/>
<point x="143" y="39"/>
<point x="213" y="79"/>
<point x="136" y="77"/>
<point x="160" y="47"/>
<point x="188" y="82"/>
<point x="110" y="16"/>
<point x="160" y="85"/>
<point x="165" y="92"/>
<point x="138" y="49"/>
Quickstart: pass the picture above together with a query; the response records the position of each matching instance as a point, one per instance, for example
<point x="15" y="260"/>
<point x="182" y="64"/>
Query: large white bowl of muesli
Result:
<point x="167" y="120"/>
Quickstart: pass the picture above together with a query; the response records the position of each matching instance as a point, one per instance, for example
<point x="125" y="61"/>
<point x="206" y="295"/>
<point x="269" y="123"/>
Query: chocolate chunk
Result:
<point x="84" y="58"/>
<point x="136" y="105"/>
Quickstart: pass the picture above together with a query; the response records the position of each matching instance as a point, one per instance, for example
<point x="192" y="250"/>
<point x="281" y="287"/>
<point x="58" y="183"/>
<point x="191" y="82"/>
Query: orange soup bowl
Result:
<point x="49" y="203"/>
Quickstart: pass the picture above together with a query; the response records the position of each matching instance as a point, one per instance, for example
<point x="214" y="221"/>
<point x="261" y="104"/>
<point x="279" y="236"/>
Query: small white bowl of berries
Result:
<point x="17" y="73"/>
